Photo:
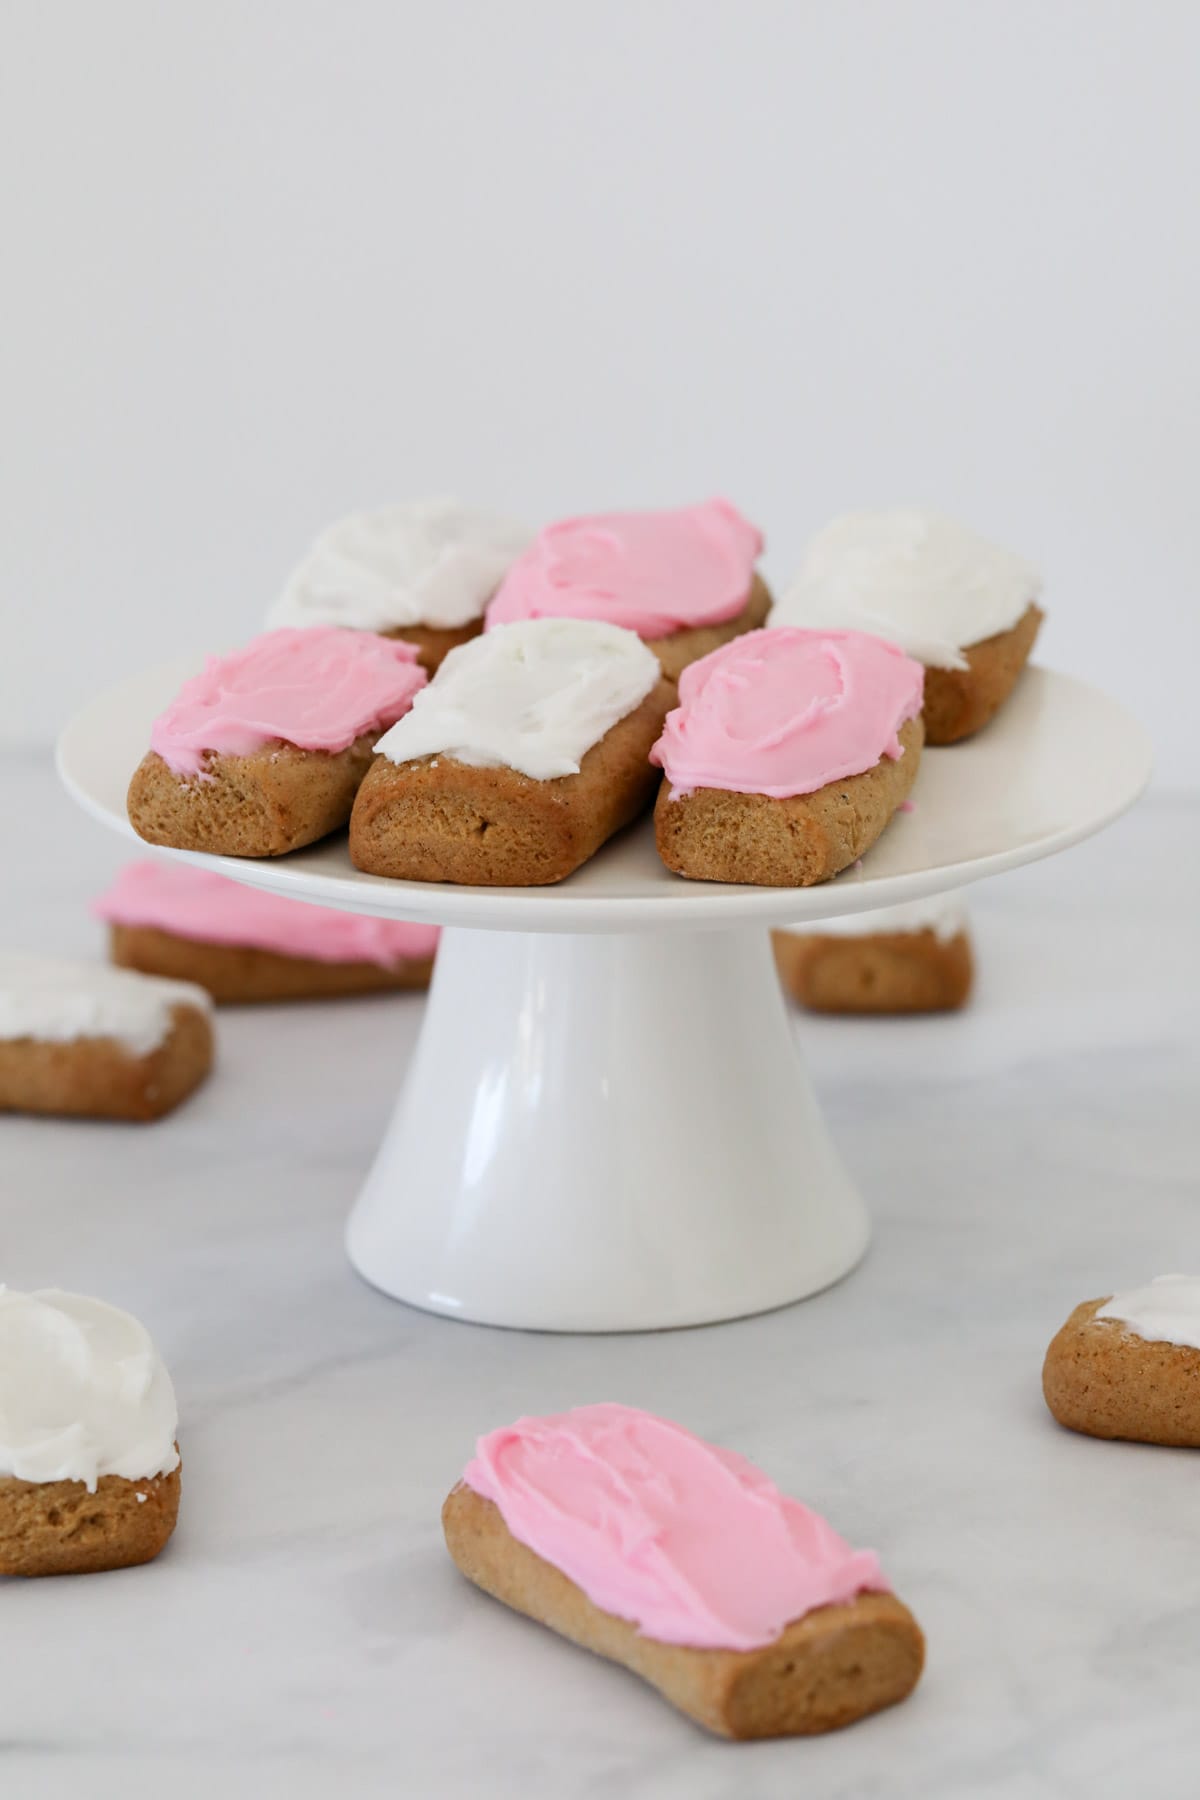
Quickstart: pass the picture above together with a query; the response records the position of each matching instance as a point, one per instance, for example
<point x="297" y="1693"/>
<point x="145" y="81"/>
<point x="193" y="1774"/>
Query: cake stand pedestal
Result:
<point x="606" y="1132"/>
<point x="606" y="1125"/>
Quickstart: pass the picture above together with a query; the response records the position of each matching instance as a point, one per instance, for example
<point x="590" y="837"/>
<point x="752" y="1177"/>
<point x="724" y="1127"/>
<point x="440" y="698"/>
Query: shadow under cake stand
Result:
<point x="606" y="1124"/>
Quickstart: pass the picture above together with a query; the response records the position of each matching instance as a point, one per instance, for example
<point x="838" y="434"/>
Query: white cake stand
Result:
<point x="606" y="1125"/>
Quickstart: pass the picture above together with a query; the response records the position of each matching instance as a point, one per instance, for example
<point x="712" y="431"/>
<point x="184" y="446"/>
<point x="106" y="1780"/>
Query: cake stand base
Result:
<point x="606" y="1133"/>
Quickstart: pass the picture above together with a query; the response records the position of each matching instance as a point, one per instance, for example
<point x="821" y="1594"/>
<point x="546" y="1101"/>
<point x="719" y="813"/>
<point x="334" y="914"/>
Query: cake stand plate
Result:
<point x="606" y="1125"/>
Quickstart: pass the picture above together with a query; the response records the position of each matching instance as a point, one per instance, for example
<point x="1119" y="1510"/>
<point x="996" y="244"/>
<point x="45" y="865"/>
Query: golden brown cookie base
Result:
<point x="435" y="819"/>
<point x="237" y="976"/>
<point x="715" y="835"/>
<point x="679" y="648"/>
<point x="58" y="1528"/>
<point x="879" y="972"/>
<point x="433" y="645"/>
<point x="276" y="799"/>
<point x="99" y="1078"/>
<point x="1103" y="1380"/>
<point x="824" y="1671"/>
<point x="959" y="702"/>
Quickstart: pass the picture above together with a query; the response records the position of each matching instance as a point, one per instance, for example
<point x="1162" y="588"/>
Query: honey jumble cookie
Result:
<point x="243" y="945"/>
<point x="80" y="1038"/>
<point x="964" y="607"/>
<point x="912" y="958"/>
<point x="421" y="570"/>
<point x="89" y="1463"/>
<point x="527" y="751"/>
<point x="683" y="578"/>
<point x="636" y="1540"/>
<point x="1129" y="1366"/>
<point x="787" y="755"/>
<point x="263" y="751"/>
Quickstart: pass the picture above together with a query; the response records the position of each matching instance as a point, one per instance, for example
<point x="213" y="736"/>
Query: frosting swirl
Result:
<point x="57" y="1001"/>
<point x="922" y="581"/>
<point x="693" y="1544"/>
<point x="652" y="572"/>
<point x="782" y="712"/>
<point x="83" y="1392"/>
<point x="319" y="689"/>
<point x="211" y="909"/>
<point x="533" y="696"/>
<point x="418" y="562"/>
<point x="1165" y="1311"/>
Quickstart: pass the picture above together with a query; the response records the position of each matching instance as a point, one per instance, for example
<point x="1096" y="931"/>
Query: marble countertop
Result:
<point x="305" y="1633"/>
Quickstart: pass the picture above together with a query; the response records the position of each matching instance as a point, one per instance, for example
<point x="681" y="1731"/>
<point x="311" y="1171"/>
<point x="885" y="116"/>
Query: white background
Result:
<point x="267" y="262"/>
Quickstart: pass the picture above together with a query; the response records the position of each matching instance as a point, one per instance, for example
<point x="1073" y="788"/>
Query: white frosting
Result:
<point x="57" y="1002"/>
<point x="83" y="1392"/>
<point x="1166" y="1311"/>
<point x="922" y="581"/>
<point x="420" y="562"/>
<point x="532" y="696"/>
<point x="943" y="914"/>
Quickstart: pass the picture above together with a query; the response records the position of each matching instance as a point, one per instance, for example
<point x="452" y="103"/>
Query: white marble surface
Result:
<point x="305" y="1633"/>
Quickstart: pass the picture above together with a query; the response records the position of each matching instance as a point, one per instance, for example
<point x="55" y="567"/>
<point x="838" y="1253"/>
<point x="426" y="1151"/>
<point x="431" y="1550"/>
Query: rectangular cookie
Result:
<point x="89" y="1451"/>
<point x="236" y="975"/>
<point x="244" y="945"/>
<point x="793" y="841"/>
<point x="82" y="1039"/>
<point x="886" y="972"/>
<point x="447" y="798"/>
<point x="263" y="751"/>
<point x="787" y="755"/>
<point x="1129" y="1366"/>
<point x="911" y="958"/>
<point x="826" y="1670"/>
<point x="587" y="1490"/>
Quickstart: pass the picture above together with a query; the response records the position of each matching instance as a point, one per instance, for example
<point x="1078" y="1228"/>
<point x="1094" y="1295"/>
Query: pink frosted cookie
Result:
<point x="264" y="750"/>
<point x="657" y="1550"/>
<point x="245" y="945"/>
<point x="684" y="579"/>
<point x="787" y="755"/>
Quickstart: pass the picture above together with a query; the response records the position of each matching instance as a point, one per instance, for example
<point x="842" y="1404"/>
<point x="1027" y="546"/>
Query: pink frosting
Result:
<point x="318" y="688"/>
<point x="193" y="903"/>
<point x="691" y="1543"/>
<point x="653" y="572"/>
<point x="788" y="711"/>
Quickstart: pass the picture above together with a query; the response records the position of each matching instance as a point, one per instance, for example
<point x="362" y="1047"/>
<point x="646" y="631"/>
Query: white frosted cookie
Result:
<point x="57" y="1001"/>
<point x="1129" y="1366"/>
<point x="912" y="958"/>
<point x="432" y="563"/>
<point x="89" y="1464"/>
<point x="84" y="1038"/>
<point x="921" y="580"/>
<point x="530" y="749"/>
<point x="533" y="696"/>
